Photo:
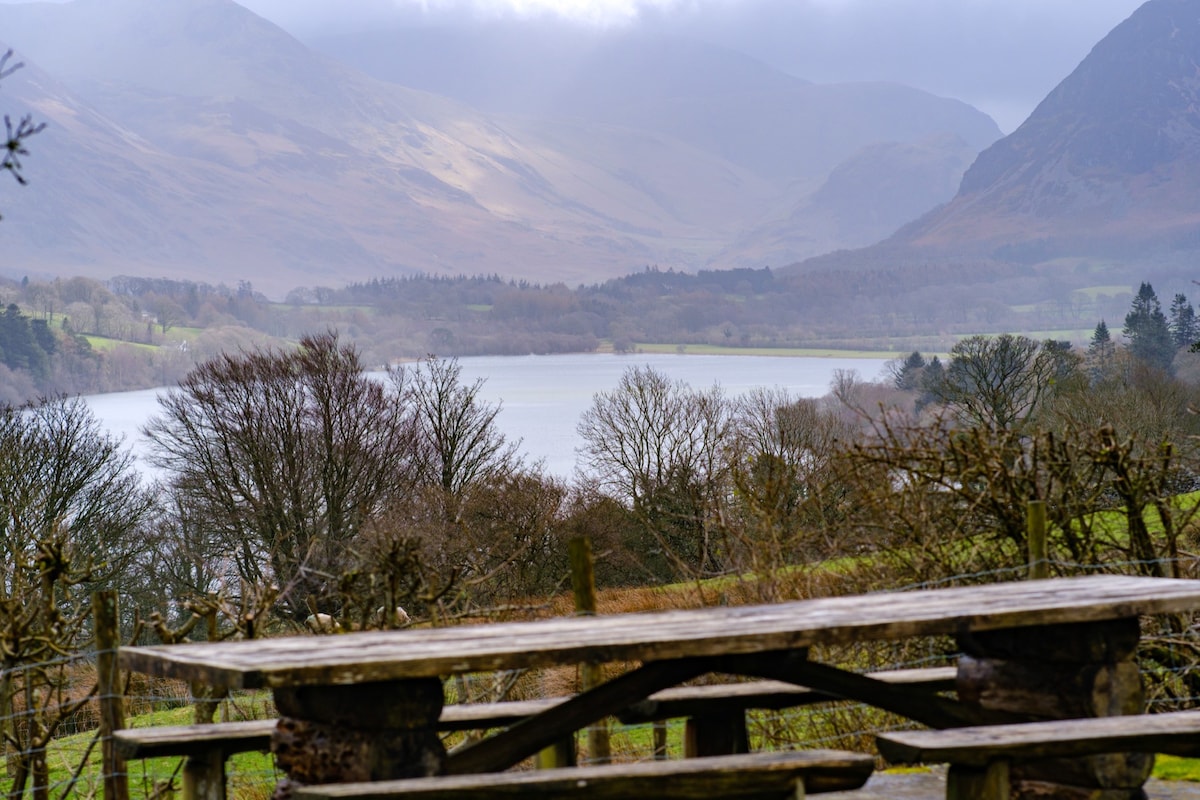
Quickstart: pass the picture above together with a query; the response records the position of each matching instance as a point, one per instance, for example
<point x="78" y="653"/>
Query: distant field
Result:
<point x="1092" y="292"/>
<point x="104" y="344"/>
<point x="807" y="352"/>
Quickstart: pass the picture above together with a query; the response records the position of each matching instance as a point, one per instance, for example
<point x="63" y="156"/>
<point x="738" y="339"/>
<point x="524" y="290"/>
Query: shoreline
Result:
<point x="778" y="352"/>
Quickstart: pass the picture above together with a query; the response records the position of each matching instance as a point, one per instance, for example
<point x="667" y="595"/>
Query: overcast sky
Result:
<point x="1002" y="56"/>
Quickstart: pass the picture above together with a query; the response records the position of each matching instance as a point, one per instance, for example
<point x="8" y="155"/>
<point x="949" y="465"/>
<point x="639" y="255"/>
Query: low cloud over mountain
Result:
<point x="195" y="138"/>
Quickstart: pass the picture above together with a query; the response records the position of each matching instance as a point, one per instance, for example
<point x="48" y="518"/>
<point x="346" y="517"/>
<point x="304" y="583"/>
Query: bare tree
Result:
<point x="57" y="468"/>
<point x="70" y="506"/>
<point x="459" y="444"/>
<point x="284" y="456"/>
<point x="787" y="501"/>
<point x="658" y="445"/>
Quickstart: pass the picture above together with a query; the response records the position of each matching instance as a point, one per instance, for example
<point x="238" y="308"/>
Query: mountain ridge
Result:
<point x="243" y="152"/>
<point x="1106" y="164"/>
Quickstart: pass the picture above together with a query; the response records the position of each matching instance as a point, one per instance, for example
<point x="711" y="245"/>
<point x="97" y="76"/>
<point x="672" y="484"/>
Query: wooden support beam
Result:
<point x="529" y="736"/>
<point x="928" y="708"/>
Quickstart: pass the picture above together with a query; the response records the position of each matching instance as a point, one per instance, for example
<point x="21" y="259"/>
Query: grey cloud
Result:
<point x="1002" y="56"/>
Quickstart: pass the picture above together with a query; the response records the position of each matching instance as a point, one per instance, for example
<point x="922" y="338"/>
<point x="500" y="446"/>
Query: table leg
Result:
<point x="1059" y="672"/>
<point x="358" y="732"/>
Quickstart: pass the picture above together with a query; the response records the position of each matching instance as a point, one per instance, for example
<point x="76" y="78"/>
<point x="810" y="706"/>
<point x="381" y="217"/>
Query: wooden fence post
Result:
<point x="1035" y="532"/>
<point x="108" y="684"/>
<point x="583" y="581"/>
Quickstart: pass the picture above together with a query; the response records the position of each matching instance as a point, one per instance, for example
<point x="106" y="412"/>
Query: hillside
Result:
<point x="195" y="139"/>
<point x="1101" y="176"/>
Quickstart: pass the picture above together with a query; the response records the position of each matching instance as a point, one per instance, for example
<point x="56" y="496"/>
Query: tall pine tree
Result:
<point x="1146" y="329"/>
<point x="1185" y="330"/>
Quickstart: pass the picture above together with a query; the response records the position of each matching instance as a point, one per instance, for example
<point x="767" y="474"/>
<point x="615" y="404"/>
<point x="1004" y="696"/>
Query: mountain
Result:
<point x="1105" y="168"/>
<point x="194" y="139"/>
<point x="723" y="102"/>
<point x="864" y="199"/>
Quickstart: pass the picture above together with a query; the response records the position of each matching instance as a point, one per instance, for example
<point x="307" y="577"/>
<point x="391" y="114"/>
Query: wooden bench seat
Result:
<point x="980" y="756"/>
<point x="206" y="748"/>
<point x="715" y="714"/>
<point x="753" y="776"/>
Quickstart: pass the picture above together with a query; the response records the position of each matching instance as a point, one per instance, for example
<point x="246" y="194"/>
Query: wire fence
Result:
<point x="57" y="702"/>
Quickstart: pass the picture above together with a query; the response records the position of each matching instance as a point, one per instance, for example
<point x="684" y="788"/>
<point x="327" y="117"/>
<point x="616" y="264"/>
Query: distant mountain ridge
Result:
<point x="1106" y="167"/>
<point x="192" y="138"/>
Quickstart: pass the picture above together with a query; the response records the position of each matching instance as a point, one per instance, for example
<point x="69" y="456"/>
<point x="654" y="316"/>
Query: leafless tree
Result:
<point x="284" y="456"/>
<point x="459" y="445"/>
<point x="787" y="501"/>
<point x="70" y="506"/>
<point x="658" y="445"/>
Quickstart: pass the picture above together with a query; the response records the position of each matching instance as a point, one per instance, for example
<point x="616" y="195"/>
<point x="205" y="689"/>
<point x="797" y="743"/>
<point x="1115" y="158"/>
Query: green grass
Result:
<point x="252" y="775"/>
<point x="1173" y="768"/>
<point x="105" y="344"/>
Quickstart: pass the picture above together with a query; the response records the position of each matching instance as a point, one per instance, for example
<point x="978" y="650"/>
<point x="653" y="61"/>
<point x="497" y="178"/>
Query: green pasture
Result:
<point x="104" y="344"/>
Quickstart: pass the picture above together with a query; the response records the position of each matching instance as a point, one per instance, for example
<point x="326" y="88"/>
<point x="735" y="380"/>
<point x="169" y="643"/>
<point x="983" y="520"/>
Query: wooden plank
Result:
<point x="754" y="776"/>
<point x="195" y="740"/>
<point x="1177" y="733"/>
<point x="688" y="701"/>
<point x="480" y="716"/>
<point x="390" y="655"/>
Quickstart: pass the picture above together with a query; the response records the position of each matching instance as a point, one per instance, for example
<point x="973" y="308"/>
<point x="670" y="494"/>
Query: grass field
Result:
<point x="103" y="344"/>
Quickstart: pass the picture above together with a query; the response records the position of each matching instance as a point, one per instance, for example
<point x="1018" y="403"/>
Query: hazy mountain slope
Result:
<point x="1108" y="164"/>
<point x="273" y="161"/>
<point x="192" y="138"/>
<point x="865" y="199"/>
<point x="725" y="103"/>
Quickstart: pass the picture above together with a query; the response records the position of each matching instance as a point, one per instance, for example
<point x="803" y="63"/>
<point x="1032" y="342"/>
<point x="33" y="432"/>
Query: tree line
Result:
<point x="150" y="332"/>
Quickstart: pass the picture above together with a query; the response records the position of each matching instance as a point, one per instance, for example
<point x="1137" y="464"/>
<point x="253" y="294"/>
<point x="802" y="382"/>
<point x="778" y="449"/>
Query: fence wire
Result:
<point x="62" y="691"/>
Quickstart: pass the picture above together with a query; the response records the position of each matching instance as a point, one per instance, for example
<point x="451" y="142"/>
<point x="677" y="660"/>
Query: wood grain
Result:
<point x="1177" y="732"/>
<point x="413" y="653"/>
<point x="755" y="776"/>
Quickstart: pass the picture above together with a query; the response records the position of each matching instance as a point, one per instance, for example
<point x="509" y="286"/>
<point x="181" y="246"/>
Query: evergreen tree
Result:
<point x="1184" y="328"/>
<point x="906" y="375"/>
<point x="1101" y="351"/>
<point x="1147" y="330"/>
<point x="932" y="378"/>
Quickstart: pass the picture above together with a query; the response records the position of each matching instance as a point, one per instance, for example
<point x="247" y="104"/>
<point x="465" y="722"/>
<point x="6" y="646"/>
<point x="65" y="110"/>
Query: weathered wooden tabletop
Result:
<point x="726" y="630"/>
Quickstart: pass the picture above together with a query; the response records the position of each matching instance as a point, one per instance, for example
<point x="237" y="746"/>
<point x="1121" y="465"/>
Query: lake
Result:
<point x="542" y="397"/>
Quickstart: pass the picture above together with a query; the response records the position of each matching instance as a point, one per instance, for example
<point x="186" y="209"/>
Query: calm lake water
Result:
<point x="542" y="397"/>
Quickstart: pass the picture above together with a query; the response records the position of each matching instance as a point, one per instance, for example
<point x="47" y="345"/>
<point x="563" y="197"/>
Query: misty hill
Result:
<point x="718" y="100"/>
<point x="863" y="200"/>
<point x="1105" y="169"/>
<point x="193" y="138"/>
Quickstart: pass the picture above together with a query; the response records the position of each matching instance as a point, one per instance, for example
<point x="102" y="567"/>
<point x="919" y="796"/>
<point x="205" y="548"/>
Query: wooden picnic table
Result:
<point x="364" y="706"/>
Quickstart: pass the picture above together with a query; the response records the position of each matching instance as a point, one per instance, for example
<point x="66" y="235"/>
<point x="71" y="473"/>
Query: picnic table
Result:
<point x="365" y="706"/>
